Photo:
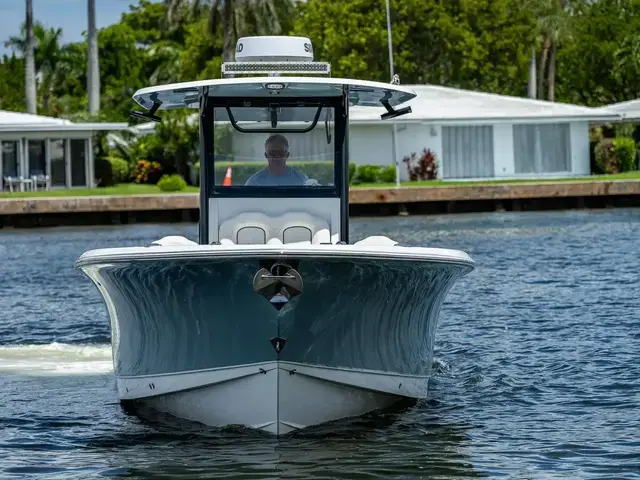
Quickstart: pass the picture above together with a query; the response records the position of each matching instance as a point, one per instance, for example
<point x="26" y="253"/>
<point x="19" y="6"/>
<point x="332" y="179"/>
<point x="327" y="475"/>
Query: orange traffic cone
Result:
<point x="227" y="178"/>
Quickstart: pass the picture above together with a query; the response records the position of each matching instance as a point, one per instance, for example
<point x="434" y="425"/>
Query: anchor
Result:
<point x="278" y="284"/>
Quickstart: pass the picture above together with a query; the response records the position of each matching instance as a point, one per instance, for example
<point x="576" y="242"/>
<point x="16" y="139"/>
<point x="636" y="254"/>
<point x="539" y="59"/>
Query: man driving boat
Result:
<point x="277" y="173"/>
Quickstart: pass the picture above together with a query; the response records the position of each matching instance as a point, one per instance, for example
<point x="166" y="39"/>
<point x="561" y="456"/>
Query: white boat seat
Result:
<point x="259" y="228"/>
<point x="377" y="241"/>
<point x="173" y="240"/>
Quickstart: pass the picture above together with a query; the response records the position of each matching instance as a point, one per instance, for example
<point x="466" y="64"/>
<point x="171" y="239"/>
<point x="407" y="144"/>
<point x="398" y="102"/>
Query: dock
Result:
<point x="183" y="207"/>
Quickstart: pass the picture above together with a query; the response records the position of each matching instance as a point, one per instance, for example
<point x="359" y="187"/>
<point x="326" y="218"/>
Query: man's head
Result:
<point x="276" y="150"/>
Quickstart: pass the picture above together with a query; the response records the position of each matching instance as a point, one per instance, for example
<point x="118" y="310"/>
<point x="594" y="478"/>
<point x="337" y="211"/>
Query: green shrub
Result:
<point x="605" y="160"/>
<point x="119" y="169"/>
<point x="624" y="151"/>
<point x="196" y="166"/>
<point x="322" y="171"/>
<point x="615" y="155"/>
<point x="367" y="174"/>
<point x="172" y="183"/>
<point x="352" y="171"/>
<point x="387" y="174"/>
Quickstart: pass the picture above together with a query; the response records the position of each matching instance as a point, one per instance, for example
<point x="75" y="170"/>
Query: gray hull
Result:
<point x="181" y="315"/>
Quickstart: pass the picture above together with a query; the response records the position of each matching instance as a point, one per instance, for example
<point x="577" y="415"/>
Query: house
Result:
<point x="39" y="151"/>
<point x="477" y="135"/>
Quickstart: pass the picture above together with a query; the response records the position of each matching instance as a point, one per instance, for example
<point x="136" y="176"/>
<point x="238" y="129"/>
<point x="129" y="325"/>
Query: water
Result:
<point x="537" y="365"/>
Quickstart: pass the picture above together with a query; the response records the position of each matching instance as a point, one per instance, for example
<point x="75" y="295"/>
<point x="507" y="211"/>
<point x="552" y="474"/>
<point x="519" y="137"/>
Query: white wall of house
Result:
<point x="480" y="151"/>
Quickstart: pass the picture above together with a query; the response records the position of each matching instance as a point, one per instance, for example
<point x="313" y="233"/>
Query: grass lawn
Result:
<point x="635" y="175"/>
<point x="137" y="189"/>
<point x="120" y="189"/>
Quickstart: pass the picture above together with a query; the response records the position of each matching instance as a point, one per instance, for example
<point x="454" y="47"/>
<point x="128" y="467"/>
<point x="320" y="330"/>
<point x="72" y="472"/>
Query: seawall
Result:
<point x="117" y="209"/>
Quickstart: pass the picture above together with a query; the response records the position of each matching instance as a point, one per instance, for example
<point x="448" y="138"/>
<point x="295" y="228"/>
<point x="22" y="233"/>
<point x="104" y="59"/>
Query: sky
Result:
<point x="70" y="15"/>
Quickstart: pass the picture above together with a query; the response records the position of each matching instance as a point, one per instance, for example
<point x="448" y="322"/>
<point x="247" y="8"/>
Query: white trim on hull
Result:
<point x="277" y="397"/>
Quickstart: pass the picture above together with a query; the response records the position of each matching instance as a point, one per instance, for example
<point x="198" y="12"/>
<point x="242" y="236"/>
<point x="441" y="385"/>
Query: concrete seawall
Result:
<point x="109" y="209"/>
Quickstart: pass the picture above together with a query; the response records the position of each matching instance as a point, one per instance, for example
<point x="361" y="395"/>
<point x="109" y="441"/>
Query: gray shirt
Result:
<point x="290" y="177"/>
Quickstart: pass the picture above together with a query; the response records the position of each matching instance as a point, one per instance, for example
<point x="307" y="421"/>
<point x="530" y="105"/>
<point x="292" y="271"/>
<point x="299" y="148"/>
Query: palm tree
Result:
<point x="30" y="63"/>
<point x="236" y="18"/>
<point x="47" y="56"/>
<point x="554" y="18"/>
<point x="93" y="66"/>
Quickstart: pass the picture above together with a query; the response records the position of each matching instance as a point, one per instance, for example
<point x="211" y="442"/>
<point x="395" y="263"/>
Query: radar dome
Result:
<point x="274" y="49"/>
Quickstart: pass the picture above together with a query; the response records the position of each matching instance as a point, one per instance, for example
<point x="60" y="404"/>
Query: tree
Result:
<point x="598" y="64"/>
<point x="236" y="18"/>
<point x="473" y="44"/>
<point x="29" y="64"/>
<point x="93" y="66"/>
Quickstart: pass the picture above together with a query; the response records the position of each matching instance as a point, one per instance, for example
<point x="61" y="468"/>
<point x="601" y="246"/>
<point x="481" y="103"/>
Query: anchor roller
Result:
<point x="278" y="284"/>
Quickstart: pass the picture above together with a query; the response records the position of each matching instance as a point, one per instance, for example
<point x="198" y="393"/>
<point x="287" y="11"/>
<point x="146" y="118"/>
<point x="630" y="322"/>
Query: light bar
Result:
<point x="276" y="67"/>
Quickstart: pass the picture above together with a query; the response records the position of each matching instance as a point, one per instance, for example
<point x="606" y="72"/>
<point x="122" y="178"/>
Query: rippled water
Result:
<point x="538" y="360"/>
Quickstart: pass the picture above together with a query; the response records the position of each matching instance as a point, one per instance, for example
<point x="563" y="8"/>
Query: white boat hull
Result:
<point x="269" y="397"/>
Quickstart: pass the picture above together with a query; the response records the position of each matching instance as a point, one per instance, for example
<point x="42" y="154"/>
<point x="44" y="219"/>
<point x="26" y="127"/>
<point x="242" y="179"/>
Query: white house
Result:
<point x="478" y="135"/>
<point x="44" y="151"/>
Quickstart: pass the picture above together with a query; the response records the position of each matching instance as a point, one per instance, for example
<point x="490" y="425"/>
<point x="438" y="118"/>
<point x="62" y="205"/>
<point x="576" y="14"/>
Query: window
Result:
<point x="37" y="157"/>
<point x="78" y="162"/>
<point x="274" y="146"/>
<point x="543" y="148"/>
<point x="57" y="158"/>
<point x="467" y="152"/>
<point x="9" y="158"/>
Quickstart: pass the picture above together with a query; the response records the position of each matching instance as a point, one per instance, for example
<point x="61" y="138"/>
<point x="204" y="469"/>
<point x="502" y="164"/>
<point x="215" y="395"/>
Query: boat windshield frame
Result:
<point x="339" y="107"/>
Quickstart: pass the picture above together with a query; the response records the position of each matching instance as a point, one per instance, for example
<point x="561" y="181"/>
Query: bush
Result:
<point x="367" y="174"/>
<point x="120" y="169"/>
<point x="424" y="168"/>
<point x="352" y="171"/>
<point x="147" y="172"/>
<point x="624" y="151"/>
<point x="605" y="160"/>
<point x="387" y="174"/>
<point x="320" y="170"/>
<point x="241" y="171"/>
<point x="172" y="183"/>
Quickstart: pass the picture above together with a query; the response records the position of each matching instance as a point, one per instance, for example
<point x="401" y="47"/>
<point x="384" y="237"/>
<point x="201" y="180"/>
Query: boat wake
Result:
<point x="56" y="359"/>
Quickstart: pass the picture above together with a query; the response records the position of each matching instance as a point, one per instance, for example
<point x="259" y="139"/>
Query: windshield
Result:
<point x="274" y="146"/>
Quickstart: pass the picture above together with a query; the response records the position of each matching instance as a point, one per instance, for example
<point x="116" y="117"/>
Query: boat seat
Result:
<point x="376" y="241"/>
<point x="173" y="240"/>
<point x="259" y="228"/>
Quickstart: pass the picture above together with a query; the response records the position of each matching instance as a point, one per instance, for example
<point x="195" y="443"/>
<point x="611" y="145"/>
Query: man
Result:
<point x="277" y="173"/>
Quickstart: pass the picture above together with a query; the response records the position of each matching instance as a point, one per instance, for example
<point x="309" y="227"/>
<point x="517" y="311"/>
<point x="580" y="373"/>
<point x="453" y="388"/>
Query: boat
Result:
<point x="272" y="319"/>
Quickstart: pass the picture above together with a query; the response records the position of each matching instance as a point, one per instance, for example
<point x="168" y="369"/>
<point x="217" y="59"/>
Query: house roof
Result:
<point x="629" y="110"/>
<point x="451" y="105"/>
<point x="19" y="118"/>
<point x="25" y="122"/>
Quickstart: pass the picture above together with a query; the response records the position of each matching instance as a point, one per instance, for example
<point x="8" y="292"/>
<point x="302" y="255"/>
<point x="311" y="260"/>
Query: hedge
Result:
<point x="322" y="171"/>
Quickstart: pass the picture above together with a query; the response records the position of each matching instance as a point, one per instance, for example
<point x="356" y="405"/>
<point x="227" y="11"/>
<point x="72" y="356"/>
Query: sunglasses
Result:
<point x="277" y="153"/>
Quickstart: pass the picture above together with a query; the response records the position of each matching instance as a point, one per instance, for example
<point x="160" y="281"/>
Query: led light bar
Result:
<point x="246" y="68"/>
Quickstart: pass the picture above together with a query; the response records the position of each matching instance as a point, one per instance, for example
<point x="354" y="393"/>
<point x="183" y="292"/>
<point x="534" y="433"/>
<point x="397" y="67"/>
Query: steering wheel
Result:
<point x="312" y="182"/>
